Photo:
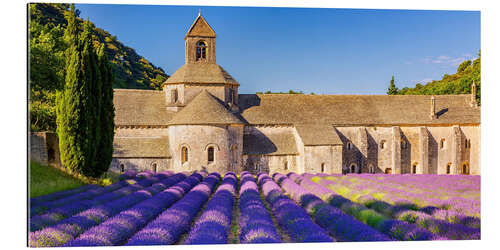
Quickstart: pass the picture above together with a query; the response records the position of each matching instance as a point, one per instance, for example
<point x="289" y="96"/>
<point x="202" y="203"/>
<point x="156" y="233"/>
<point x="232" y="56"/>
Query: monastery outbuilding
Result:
<point x="199" y="121"/>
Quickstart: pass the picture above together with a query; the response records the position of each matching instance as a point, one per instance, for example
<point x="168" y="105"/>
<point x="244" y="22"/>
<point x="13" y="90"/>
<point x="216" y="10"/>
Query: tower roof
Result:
<point x="202" y="110"/>
<point x="209" y="73"/>
<point x="200" y="28"/>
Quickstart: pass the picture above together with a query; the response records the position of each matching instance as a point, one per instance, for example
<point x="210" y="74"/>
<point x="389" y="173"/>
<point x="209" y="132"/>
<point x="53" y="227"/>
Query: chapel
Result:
<point x="200" y="121"/>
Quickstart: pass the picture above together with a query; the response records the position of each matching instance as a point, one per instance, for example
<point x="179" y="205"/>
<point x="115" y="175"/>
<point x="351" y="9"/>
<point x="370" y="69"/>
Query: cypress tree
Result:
<point x="79" y="103"/>
<point x="72" y="117"/>
<point x="93" y="78"/>
<point x="392" y="90"/>
<point x="105" y="148"/>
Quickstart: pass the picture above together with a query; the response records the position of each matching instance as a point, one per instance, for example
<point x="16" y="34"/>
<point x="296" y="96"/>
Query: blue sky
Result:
<point x="325" y="51"/>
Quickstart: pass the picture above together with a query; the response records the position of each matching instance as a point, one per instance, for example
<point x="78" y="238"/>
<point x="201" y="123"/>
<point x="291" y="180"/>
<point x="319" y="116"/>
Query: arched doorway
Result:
<point x="352" y="168"/>
<point x="414" y="168"/>
<point x="388" y="171"/>
<point x="323" y="167"/>
<point x="448" y="168"/>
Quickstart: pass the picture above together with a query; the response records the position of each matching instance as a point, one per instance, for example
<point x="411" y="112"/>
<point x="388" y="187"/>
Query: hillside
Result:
<point x="47" y="46"/>
<point x="457" y="83"/>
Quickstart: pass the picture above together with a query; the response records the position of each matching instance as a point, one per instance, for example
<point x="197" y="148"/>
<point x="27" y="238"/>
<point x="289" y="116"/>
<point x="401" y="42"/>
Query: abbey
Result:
<point x="200" y="121"/>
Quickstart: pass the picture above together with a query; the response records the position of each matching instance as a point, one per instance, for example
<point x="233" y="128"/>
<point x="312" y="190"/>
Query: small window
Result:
<point x="286" y="165"/>
<point x="210" y="156"/>
<point x="448" y="168"/>
<point x="467" y="143"/>
<point x="153" y="167"/>
<point x="234" y="150"/>
<point x="122" y="168"/>
<point x="382" y="144"/>
<point x="174" y="96"/>
<point x="184" y="154"/>
<point x="201" y="50"/>
<point x="404" y="144"/>
<point x="414" y="169"/>
<point x="349" y="146"/>
<point x="256" y="166"/>
<point x="322" y="167"/>
<point x="442" y="144"/>
<point x="353" y="168"/>
<point x="371" y="169"/>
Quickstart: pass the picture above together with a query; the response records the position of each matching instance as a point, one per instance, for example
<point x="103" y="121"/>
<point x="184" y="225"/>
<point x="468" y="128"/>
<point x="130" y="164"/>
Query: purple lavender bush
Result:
<point x="214" y="224"/>
<point x="256" y="224"/>
<point x="343" y="226"/>
<point x="66" y="230"/>
<point x="58" y="195"/>
<point x="398" y="230"/>
<point x="119" y="228"/>
<point x="290" y="216"/>
<point x="168" y="227"/>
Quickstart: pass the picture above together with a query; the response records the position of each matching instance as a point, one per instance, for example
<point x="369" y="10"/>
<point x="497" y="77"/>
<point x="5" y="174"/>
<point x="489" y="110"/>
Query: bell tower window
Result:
<point x="201" y="50"/>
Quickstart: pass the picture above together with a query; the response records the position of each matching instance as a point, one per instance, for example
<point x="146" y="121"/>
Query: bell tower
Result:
<point x="200" y="42"/>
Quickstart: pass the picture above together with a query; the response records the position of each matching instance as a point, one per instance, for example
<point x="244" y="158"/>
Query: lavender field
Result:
<point x="223" y="208"/>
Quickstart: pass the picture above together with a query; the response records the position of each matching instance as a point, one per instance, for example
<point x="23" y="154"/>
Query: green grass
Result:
<point x="46" y="179"/>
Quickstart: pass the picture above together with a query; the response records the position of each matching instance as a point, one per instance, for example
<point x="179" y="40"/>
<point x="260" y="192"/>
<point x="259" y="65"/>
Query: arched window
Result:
<point x="201" y="50"/>
<point x="210" y="154"/>
<point x="323" y="167"/>
<point x="286" y="165"/>
<point x="184" y="154"/>
<point x="442" y="144"/>
<point x="153" y="167"/>
<point x="465" y="169"/>
<point x="371" y="169"/>
<point x="122" y="168"/>
<point x="414" y="168"/>
<point x="382" y="144"/>
<point x="349" y="146"/>
<point x="467" y="143"/>
<point x="448" y="168"/>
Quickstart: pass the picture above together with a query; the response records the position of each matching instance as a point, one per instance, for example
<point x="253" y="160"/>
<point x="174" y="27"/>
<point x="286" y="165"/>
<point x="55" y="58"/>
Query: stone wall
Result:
<point x="139" y="164"/>
<point x="44" y="148"/>
<point x="198" y="138"/>
<point x="323" y="159"/>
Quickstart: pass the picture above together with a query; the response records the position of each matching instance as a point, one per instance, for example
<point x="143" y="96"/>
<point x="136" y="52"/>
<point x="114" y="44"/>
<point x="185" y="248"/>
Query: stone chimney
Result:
<point x="433" y="108"/>
<point x="473" y="101"/>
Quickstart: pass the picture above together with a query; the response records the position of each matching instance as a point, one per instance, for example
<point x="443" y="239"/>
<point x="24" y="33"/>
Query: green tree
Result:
<point x="392" y="90"/>
<point x="105" y="147"/>
<point x="72" y="116"/>
<point x="464" y="65"/>
<point x="79" y="104"/>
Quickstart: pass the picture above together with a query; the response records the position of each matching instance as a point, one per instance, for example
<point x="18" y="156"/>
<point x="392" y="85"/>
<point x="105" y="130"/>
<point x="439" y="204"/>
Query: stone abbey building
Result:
<point x="200" y="121"/>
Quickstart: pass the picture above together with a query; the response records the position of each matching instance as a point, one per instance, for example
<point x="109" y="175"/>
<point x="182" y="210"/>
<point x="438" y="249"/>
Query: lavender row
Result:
<point x="256" y="225"/>
<point x="344" y="227"/>
<point x="120" y="227"/>
<point x="37" y="201"/>
<point x="440" y="227"/>
<point x="89" y="194"/>
<point x="175" y="221"/>
<point x="214" y="224"/>
<point x="290" y="216"/>
<point x="396" y="229"/>
<point x="59" y="213"/>
<point x="129" y="174"/>
<point x="66" y="230"/>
